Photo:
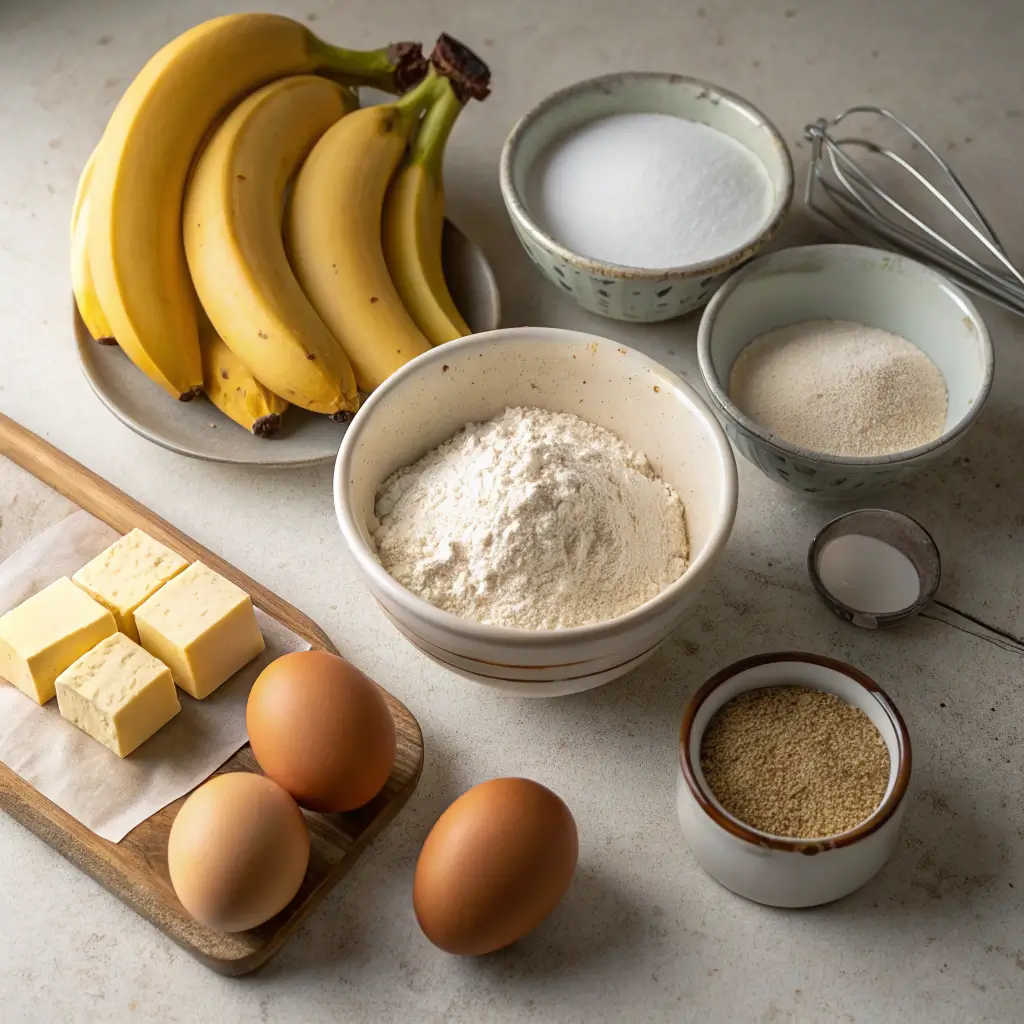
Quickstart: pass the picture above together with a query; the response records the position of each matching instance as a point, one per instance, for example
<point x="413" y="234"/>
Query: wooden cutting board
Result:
<point x="135" y="870"/>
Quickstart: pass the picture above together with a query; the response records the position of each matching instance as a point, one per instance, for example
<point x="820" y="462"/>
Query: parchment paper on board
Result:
<point x="108" y="794"/>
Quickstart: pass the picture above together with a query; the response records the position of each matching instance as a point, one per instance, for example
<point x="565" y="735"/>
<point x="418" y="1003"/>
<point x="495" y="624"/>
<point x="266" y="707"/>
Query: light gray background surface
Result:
<point x="643" y="935"/>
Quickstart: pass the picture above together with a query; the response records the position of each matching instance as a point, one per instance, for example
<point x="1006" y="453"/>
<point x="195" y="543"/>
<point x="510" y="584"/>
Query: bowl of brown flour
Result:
<point x="836" y="369"/>
<point x="793" y="776"/>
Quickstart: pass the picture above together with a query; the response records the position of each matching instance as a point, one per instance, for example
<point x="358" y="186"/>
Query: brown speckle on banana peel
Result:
<point x="190" y="394"/>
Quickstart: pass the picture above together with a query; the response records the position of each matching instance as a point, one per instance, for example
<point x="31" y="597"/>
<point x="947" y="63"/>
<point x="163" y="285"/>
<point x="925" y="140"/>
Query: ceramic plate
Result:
<point x="200" y="431"/>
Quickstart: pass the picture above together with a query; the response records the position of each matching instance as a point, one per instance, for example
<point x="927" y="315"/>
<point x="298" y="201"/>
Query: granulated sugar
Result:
<point x="535" y="519"/>
<point x="649" y="190"/>
<point x="840" y="388"/>
<point x="796" y="762"/>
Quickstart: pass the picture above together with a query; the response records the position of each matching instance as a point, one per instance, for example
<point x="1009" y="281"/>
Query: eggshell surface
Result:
<point x="494" y="866"/>
<point x="321" y="729"/>
<point x="237" y="852"/>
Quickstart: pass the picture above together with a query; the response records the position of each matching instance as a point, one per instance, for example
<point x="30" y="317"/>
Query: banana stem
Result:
<point x="430" y="140"/>
<point x="471" y="77"/>
<point x="410" y="105"/>
<point x="391" y="68"/>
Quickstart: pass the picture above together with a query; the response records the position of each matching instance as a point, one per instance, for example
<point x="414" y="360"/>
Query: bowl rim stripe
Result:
<point x="413" y="637"/>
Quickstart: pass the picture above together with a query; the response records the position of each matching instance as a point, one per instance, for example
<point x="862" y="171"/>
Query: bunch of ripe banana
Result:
<point x="186" y="254"/>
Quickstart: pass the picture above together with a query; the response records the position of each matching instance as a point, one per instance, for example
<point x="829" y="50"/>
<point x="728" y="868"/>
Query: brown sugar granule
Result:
<point x="796" y="762"/>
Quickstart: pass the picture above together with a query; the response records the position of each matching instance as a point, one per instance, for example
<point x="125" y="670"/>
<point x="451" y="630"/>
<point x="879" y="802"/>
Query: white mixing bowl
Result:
<point x="477" y="378"/>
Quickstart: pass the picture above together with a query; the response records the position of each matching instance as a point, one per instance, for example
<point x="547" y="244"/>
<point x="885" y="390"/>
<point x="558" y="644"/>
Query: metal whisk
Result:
<point x="860" y="204"/>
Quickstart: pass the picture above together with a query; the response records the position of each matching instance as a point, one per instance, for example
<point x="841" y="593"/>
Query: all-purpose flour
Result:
<point x="649" y="190"/>
<point x="534" y="519"/>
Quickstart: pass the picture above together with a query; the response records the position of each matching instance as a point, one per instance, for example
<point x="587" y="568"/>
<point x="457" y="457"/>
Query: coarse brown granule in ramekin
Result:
<point x="795" y="762"/>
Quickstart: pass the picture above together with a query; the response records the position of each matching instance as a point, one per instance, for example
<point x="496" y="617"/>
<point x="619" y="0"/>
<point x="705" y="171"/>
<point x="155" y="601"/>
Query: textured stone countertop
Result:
<point x="644" y="934"/>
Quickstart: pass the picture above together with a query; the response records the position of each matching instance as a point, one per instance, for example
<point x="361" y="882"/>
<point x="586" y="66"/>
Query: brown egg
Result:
<point x="495" y="864"/>
<point x="238" y="851"/>
<point x="321" y="729"/>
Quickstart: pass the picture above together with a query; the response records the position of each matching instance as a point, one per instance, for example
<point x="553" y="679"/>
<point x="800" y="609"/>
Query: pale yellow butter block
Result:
<point x="118" y="693"/>
<point x="129" y="572"/>
<point x="202" y="626"/>
<point x="47" y="633"/>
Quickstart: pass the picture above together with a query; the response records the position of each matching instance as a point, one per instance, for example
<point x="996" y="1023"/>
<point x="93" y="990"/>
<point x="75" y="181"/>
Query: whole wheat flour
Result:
<point x="535" y="519"/>
<point x="840" y="388"/>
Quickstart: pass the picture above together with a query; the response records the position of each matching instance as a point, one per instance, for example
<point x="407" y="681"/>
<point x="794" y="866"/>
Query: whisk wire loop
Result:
<point x="841" y="190"/>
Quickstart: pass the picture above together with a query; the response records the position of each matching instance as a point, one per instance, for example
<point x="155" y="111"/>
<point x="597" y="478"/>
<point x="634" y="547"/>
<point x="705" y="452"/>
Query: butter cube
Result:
<point x="202" y="626"/>
<point x="131" y="570"/>
<point x="47" y="633"/>
<point x="118" y="694"/>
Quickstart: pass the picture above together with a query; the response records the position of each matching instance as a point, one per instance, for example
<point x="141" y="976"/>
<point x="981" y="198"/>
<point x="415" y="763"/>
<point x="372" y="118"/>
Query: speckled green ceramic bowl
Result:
<point x="632" y="293"/>
<point x="868" y="286"/>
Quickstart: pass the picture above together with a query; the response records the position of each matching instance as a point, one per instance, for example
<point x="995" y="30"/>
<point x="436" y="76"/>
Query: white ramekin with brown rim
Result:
<point x="773" y="870"/>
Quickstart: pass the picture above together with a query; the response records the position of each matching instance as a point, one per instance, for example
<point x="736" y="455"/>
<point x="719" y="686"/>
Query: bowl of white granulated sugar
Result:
<point x="638" y="193"/>
<point x="535" y="509"/>
<point x="837" y="369"/>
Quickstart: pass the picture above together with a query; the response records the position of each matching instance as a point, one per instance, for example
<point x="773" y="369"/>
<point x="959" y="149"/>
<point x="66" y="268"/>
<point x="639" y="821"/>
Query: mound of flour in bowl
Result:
<point x="535" y="519"/>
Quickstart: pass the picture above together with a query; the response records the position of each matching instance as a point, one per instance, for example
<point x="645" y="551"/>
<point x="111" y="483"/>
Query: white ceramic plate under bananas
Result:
<point x="200" y="431"/>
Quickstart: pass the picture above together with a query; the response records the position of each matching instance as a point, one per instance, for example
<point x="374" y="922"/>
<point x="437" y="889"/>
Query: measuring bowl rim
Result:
<point x="881" y="619"/>
<point x="718" y="393"/>
<point x="520" y="212"/>
<point x="807" y="846"/>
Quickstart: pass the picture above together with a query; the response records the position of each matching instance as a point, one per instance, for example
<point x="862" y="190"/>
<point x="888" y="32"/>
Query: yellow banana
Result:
<point x="135" y="247"/>
<point x="414" y="222"/>
<point x="235" y="250"/>
<point x="81" y="273"/>
<point x="226" y="380"/>
<point x="82" y="190"/>
<point x="333" y="230"/>
<point x="228" y="383"/>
